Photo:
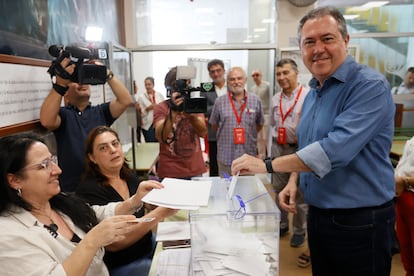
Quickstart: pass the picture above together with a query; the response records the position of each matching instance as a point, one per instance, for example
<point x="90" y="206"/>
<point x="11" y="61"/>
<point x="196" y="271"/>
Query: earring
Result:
<point x="19" y="192"/>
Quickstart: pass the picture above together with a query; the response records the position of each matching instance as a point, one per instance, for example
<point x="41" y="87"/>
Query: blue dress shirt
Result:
<point x="345" y="137"/>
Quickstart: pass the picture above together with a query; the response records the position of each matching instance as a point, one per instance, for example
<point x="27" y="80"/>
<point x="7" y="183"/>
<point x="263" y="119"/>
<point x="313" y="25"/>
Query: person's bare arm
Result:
<point x="198" y="124"/>
<point x="49" y="111"/>
<point x="140" y="229"/>
<point x="250" y="164"/>
<point x="122" y="97"/>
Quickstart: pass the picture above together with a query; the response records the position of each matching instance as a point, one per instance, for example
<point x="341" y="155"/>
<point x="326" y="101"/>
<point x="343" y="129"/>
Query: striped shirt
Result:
<point x="224" y="118"/>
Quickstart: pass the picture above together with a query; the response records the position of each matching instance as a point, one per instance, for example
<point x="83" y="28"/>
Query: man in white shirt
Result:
<point x="407" y="87"/>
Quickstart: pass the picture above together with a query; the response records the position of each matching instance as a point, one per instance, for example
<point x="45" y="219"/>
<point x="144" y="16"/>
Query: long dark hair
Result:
<point x="93" y="169"/>
<point x="13" y="153"/>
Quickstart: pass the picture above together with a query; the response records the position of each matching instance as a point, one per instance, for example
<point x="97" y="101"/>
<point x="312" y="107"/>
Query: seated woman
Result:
<point x="109" y="179"/>
<point x="44" y="231"/>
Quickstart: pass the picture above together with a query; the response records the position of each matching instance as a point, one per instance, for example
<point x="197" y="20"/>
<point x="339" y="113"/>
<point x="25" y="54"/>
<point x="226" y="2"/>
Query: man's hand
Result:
<point x="248" y="164"/>
<point x="287" y="197"/>
<point x="69" y="68"/>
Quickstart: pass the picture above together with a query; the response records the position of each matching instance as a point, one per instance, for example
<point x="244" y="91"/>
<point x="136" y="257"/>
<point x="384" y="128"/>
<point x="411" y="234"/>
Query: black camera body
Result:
<point x="194" y="102"/>
<point x="85" y="73"/>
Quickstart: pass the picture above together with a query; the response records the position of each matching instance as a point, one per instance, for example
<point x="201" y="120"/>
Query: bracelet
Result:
<point x="268" y="162"/>
<point x="135" y="209"/>
<point x="61" y="90"/>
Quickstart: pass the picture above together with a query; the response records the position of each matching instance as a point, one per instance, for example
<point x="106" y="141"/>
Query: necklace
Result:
<point x="52" y="227"/>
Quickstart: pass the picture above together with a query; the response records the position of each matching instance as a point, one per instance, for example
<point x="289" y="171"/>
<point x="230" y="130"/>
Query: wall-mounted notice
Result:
<point x="22" y="91"/>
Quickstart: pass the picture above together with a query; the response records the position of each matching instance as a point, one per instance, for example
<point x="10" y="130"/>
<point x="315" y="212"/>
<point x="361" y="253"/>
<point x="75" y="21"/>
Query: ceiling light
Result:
<point x="369" y="5"/>
<point x="351" y="16"/>
<point x="204" y="10"/>
<point x="259" y="30"/>
<point x="206" y="23"/>
<point x="268" y="20"/>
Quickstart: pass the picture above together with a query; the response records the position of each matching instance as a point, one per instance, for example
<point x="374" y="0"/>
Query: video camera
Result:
<point x="194" y="102"/>
<point x="85" y="73"/>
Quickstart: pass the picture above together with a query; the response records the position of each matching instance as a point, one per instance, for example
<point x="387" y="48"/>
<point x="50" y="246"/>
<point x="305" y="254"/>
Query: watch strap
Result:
<point x="268" y="162"/>
<point x="60" y="89"/>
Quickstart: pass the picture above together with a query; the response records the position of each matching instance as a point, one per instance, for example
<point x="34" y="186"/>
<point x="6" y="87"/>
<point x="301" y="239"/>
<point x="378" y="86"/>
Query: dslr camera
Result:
<point x="85" y="72"/>
<point x="194" y="102"/>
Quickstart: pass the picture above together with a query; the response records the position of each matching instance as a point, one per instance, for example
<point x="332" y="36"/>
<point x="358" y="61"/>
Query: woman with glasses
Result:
<point x="44" y="231"/>
<point x="109" y="179"/>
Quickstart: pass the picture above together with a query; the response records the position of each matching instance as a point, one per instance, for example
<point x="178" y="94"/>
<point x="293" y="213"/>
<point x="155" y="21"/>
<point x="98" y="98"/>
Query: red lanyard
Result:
<point x="291" y="108"/>
<point x="238" y="118"/>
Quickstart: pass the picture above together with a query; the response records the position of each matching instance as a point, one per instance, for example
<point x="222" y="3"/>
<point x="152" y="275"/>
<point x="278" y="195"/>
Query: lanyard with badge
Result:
<point x="238" y="132"/>
<point x="281" y="131"/>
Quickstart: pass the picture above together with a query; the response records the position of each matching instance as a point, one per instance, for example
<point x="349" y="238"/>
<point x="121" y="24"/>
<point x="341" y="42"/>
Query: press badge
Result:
<point x="281" y="135"/>
<point x="238" y="135"/>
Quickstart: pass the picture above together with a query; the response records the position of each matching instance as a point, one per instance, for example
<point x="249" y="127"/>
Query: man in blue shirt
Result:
<point x="72" y="122"/>
<point x="345" y="135"/>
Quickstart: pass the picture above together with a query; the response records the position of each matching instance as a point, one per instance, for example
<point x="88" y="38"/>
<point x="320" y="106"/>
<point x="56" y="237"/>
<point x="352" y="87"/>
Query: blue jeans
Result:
<point x="353" y="242"/>
<point x="139" y="267"/>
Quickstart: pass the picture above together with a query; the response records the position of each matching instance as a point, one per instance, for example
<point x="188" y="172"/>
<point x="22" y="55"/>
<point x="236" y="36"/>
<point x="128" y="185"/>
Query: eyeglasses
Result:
<point x="45" y="164"/>
<point x="255" y="75"/>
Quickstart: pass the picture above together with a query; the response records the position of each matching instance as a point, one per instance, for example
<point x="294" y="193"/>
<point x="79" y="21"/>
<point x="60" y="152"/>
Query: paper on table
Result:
<point x="173" y="230"/>
<point x="180" y="194"/>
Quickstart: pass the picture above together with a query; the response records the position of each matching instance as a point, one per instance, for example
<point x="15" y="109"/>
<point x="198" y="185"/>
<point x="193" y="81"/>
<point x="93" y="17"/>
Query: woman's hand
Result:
<point x="110" y="230"/>
<point x="145" y="187"/>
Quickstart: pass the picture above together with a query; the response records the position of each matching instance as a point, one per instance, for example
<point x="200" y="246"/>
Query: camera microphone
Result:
<point x="80" y="52"/>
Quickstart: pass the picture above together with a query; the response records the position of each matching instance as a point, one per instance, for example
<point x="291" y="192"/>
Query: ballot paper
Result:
<point x="233" y="185"/>
<point x="173" y="230"/>
<point x="180" y="194"/>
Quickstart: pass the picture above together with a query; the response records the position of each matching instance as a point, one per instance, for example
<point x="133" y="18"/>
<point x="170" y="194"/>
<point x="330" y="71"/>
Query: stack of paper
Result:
<point x="180" y="194"/>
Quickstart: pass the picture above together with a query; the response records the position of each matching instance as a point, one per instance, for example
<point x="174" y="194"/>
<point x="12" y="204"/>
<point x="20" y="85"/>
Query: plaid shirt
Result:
<point x="224" y="118"/>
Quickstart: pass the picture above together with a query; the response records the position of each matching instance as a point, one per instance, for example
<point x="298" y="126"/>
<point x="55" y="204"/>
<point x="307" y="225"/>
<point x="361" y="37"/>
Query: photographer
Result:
<point x="72" y="122"/>
<point x="179" y="135"/>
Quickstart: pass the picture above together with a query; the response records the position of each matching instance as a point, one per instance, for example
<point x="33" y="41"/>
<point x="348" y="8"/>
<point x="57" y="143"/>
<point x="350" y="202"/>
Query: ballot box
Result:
<point x="237" y="233"/>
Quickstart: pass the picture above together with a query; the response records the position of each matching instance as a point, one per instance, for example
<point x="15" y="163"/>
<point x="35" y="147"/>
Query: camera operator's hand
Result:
<point x="177" y="98"/>
<point x="69" y="68"/>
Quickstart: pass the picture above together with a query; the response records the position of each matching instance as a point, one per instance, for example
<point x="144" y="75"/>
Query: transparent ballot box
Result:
<point x="237" y="235"/>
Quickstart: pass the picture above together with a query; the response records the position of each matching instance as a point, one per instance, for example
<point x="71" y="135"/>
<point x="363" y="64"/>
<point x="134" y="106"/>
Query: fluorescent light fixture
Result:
<point x="375" y="4"/>
<point x="351" y="16"/>
<point x="206" y="23"/>
<point x="268" y="20"/>
<point x="259" y="30"/>
<point x="369" y="5"/>
<point x="93" y="33"/>
<point x="204" y="10"/>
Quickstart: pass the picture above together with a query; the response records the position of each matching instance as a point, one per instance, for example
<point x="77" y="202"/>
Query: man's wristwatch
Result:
<point x="109" y="75"/>
<point x="268" y="162"/>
